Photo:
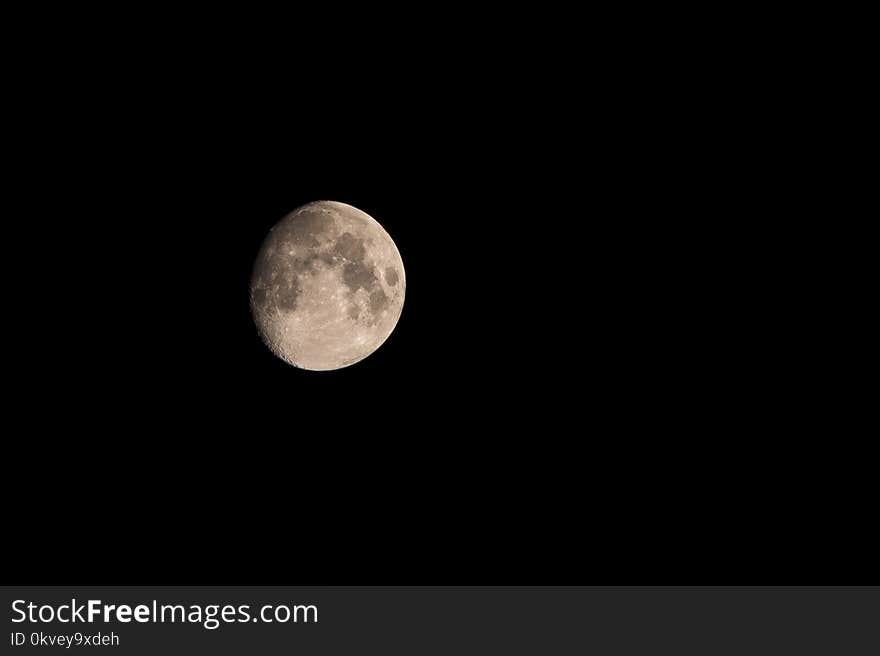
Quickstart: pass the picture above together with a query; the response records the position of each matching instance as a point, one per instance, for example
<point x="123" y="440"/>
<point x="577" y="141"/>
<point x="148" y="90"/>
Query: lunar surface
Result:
<point x="327" y="286"/>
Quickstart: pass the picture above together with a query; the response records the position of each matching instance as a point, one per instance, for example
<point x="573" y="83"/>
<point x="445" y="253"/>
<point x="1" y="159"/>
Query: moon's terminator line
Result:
<point x="327" y="287"/>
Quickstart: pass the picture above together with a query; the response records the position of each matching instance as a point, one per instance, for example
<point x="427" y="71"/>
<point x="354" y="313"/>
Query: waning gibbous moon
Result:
<point x="327" y="286"/>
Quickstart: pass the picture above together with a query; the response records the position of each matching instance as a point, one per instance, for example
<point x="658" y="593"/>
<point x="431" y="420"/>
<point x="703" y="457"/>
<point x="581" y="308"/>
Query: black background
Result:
<point x="595" y="378"/>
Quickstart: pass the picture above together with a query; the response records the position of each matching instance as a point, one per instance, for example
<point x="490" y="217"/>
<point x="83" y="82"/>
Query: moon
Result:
<point x="327" y="286"/>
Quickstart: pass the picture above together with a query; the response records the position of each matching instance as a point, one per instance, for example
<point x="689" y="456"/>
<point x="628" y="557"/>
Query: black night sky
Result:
<point x="576" y="392"/>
